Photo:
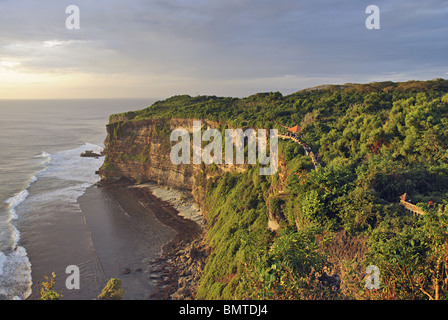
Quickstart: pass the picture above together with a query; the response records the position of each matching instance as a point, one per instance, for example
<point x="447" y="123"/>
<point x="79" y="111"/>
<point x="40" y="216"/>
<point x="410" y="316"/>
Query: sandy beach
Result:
<point x="119" y="231"/>
<point x="178" y="199"/>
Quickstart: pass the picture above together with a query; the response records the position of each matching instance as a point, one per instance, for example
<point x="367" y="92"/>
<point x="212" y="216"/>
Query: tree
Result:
<point x="413" y="259"/>
<point x="292" y="268"/>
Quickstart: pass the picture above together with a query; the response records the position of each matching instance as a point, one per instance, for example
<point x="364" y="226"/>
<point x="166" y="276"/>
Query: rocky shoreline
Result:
<point x="178" y="271"/>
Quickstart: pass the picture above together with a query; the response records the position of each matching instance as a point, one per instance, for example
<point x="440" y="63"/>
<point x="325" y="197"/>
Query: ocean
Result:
<point x="42" y="175"/>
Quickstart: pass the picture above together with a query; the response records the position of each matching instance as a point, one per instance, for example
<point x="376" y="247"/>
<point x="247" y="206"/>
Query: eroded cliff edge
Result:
<point x="139" y="151"/>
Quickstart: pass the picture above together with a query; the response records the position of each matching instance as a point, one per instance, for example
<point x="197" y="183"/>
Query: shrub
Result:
<point x="47" y="291"/>
<point x="112" y="290"/>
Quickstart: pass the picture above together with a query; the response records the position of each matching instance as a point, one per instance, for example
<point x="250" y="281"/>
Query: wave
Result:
<point x="13" y="202"/>
<point x="63" y="165"/>
<point x="75" y="174"/>
<point x="16" y="200"/>
<point x="21" y="196"/>
<point x="15" y="267"/>
<point x="15" y="275"/>
<point x="45" y="154"/>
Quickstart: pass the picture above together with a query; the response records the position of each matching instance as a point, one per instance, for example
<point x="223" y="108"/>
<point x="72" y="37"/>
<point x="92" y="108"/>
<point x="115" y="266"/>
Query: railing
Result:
<point x="308" y="150"/>
<point x="412" y="207"/>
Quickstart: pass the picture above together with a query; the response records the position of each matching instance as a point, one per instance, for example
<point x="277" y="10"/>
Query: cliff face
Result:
<point x="140" y="151"/>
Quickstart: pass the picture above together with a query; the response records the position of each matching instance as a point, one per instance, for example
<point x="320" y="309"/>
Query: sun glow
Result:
<point x="9" y="64"/>
<point x="21" y="84"/>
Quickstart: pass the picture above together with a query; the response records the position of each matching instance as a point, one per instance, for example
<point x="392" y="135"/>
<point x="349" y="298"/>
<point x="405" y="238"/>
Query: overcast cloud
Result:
<point x="227" y="47"/>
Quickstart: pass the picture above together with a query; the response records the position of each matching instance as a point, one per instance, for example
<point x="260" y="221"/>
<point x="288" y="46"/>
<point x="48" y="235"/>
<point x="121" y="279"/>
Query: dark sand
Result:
<point x="117" y="233"/>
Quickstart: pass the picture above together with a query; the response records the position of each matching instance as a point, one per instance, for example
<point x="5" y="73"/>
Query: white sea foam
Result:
<point x="78" y="171"/>
<point x="18" y="198"/>
<point x="64" y="165"/>
<point x="15" y="275"/>
<point x="76" y="175"/>
<point x="16" y="236"/>
<point x="2" y="262"/>
<point x="44" y="154"/>
<point x="15" y="201"/>
<point x="15" y="267"/>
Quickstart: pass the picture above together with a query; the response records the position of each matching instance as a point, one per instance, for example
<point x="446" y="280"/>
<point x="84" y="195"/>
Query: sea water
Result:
<point x="42" y="173"/>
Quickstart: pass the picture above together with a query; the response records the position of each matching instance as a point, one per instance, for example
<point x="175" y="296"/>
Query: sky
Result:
<point x="161" y="48"/>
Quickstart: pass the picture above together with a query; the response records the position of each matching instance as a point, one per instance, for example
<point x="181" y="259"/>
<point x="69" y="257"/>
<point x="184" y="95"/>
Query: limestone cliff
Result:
<point x="139" y="150"/>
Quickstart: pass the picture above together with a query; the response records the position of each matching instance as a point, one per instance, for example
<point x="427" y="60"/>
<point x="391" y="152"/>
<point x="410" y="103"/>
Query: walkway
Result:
<point x="307" y="148"/>
<point x="412" y="208"/>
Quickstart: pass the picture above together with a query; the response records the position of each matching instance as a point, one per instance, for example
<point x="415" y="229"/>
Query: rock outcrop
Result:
<point x="178" y="272"/>
<point x="90" y="154"/>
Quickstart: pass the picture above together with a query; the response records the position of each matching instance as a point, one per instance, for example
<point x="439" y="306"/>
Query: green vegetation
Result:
<point x="47" y="291"/>
<point x="112" y="290"/>
<point x="376" y="141"/>
<point x="107" y="166"/>
<point x="237" y="222"/>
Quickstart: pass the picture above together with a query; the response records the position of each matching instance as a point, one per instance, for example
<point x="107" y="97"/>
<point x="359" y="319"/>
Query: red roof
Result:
<point x="295" y="129"/>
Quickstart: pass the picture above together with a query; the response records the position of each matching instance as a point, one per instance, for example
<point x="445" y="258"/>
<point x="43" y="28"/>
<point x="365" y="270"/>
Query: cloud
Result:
<point x="244" y="42"/>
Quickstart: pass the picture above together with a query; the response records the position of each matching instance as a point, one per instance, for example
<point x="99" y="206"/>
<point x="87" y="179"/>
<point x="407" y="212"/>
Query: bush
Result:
<point x="47" y="291"/>
<point x="112" y="290"/>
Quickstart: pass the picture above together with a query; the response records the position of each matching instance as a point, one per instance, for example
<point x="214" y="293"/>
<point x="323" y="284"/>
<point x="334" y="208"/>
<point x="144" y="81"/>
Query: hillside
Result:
<point x="375" y="142"/>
